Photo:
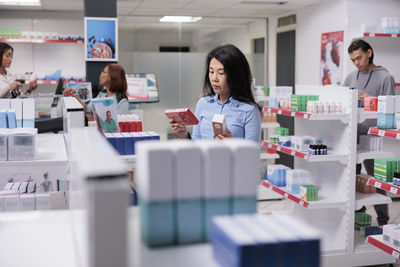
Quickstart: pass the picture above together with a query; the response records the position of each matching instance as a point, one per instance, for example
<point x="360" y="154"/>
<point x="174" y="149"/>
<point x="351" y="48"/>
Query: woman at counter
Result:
<point x="9" y="87"/>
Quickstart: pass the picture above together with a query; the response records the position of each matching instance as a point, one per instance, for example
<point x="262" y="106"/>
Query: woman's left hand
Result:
<point x="228" y="134"/>
<point x="32" y="86"/>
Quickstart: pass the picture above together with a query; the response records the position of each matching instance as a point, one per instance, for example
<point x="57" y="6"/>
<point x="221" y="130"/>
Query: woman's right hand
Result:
<point x="14" y="85"/>
<point x="69" y="92"/>
<point x="178" y="129"/>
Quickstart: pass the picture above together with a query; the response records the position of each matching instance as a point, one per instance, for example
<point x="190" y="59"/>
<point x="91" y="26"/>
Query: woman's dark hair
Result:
<point x="3" y="48"/>
<point x="237" y="71"/>
<point x="118" y="81"/>
<point x="357" y="44"/>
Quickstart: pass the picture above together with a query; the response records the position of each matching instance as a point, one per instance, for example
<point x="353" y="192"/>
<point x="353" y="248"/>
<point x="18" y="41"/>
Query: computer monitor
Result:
<point x="60" y="86"/>
<point x="142" y="88"/>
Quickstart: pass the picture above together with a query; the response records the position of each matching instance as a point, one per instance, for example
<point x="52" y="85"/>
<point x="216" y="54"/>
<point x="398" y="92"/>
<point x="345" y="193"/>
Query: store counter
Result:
<point x="58" y="238"/>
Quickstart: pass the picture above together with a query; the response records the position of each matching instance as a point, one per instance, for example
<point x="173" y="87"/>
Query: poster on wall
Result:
<point x="331" y="70"/>
<point x="101" y="39"/>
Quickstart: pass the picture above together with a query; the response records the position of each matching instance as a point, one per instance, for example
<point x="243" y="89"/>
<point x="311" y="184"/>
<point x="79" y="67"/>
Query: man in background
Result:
<point x="370" y="80"/>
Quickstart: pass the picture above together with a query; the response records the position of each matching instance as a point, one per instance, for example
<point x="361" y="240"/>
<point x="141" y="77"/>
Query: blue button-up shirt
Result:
<point x="242" y="119"/>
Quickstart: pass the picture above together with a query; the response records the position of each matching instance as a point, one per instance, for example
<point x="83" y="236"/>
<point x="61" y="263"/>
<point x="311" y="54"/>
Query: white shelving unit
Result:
<point x="370" y="199"/>
<point x="52" y="158"/>
<point x="364" y="154"/>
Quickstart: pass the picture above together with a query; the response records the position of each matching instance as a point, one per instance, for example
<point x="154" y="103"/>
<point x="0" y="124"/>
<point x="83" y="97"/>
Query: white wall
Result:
<point x="47" y="58"/>
<point x="151" y="41"/>
<point x="312" y="21"/>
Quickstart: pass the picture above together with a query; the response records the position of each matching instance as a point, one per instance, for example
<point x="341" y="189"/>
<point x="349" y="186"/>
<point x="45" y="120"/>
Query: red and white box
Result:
<point x="219" y="124"/>
<point x="183" y="116"/>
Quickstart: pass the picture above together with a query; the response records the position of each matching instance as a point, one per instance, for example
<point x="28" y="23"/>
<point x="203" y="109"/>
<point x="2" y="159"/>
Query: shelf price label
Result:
<point x="372" y="34"/>
<point x="269" y="110"/>
<point x="293" y="153"/>
<point x="278" y="148"/>
<point x="305" y="116"/>
<point x="394" y="35"/>
<point x="301" y="203"/>
<point x="398" y="136"/>
<point x="286" y="195"/>
<point x="306" y="157"/>
<point x="381" y="133"/>
<point x="293" y="114"/>
<point x="378" y="184"/>
<point x="393" y="190"/>
<point x="395" y="254"/>
<point x="279" y="111"/>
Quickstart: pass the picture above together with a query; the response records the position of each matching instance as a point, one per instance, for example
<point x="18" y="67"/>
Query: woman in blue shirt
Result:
<point x="228" y="91"/>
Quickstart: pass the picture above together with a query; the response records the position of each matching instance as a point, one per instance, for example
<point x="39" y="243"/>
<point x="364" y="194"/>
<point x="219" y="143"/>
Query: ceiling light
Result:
<point x="21" y="2"/>
<point x="179" y="19"/>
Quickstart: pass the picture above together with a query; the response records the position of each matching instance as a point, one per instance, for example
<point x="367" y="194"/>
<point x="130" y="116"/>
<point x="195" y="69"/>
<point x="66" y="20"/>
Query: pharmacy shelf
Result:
<point x="130" y="160"/>
<point x="364" y="154"/>
<point x="322" y="203"/>
<point x="308" y="116"/>
<point x="51" y="151"/>
<point x="265" y="155"/>
<point x="269" y="125"/>
<point x="312" y="158"/>
<point x="366" y="115"/>
<point x="264" y="193"/>
<point x="370" y="199"/>
<point x="40" y="41"/>
<point x="384" y="186"/>
<point x="261" y="98"/>
<point x="56" y="81"/>
<point x="377" y="241"/>
<point x="375" y="34"/>
<point x="384" y="132"/>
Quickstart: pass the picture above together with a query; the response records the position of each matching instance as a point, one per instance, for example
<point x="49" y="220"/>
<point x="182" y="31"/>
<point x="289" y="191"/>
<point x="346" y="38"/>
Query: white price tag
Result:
<point x="269" y="145"/>
<point x="279" y="111"/>
<point x="395" y="254"/>
<point x="378" y="184"/>
<point x="306" y="157"/>
<point x="393" y="190"/>
<point x="398" y="136"/>
<point x="381" y="133"/>
<point x="278" y="148"/>
<point x="305" y="116"/>
<point x="372" y="34"/>
<point x="269" y="110"/>
<point x="286" y="195"/>
<point x="293" y="114"/>
<point x="301" y="203"/>
<point x="293" y="153"/>
<point x="394" y="35"/>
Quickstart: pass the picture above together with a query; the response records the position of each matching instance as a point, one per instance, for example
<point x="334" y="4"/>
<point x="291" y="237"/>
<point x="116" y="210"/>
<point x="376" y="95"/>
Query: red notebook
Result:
<point x="182" y="115"/>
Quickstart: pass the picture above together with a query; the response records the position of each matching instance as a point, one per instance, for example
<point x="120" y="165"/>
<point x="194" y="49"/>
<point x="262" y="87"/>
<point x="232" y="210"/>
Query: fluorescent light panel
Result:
<point x="21" y="2"/>
<point x="179" y="19"/>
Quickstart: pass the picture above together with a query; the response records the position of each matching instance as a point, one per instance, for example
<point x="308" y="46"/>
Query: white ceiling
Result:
<point x="145" y="14"/>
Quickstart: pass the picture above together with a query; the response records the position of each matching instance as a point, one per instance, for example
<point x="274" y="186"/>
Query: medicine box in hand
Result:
<point x="219" y="124"/>
<point x="183" y="116"/>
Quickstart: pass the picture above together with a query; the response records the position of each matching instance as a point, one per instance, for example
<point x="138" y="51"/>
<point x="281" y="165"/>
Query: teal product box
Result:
<point x="110" y="138"/>
<point x="28" y="113"/>
<point x="245" y="162"/>
<point x="243" y="205"/>
<point x="12" y="119"/>
<point x="119" y="143"/>
<point x="217" y="184"/>
<point x="155" y="172"/>
<point x="188" y="180"/>
<point x="157" y="222"/>
<point x="128" y="143"/>
<point x="3" y="119"/>
<point x="386" y="121"/>
<point x="16" y="104"/>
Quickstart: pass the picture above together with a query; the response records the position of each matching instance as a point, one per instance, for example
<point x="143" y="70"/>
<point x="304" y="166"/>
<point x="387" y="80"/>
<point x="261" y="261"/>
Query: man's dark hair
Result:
<point x="357" y="44"/>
